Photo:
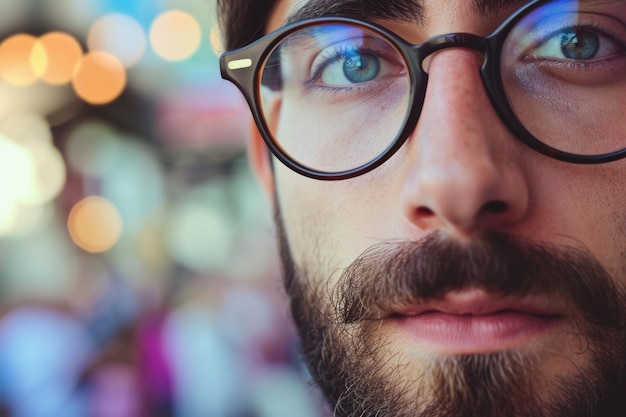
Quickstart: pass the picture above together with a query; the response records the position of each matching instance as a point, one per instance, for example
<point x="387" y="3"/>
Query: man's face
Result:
<point x="469" y="274"/>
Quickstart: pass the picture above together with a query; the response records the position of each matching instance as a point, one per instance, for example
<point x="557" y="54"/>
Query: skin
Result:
<point x="460" y="174"/>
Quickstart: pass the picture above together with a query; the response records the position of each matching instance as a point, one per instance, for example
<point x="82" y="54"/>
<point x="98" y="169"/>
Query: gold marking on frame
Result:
<point x="240" y="63"/>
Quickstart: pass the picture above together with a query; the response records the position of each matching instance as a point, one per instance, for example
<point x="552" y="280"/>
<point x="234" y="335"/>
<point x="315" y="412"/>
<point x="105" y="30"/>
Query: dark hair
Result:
<point x="243" y="21"/>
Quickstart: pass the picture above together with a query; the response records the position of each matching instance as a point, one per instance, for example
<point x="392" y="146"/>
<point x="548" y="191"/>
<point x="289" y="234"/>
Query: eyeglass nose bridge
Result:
<point x="450" y="40"/>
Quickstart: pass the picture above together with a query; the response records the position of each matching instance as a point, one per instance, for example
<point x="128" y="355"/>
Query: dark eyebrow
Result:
<point x="491" y="7"/>
<point x="411" y="11"/>
<point x="398" y="10"/>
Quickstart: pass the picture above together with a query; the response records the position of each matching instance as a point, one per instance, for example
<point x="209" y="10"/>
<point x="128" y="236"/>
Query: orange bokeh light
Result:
<point x="95" y="224"/>
<point x="100" y="78"/>
<point x="16" y="59"/>
<point x="63" y="55"/>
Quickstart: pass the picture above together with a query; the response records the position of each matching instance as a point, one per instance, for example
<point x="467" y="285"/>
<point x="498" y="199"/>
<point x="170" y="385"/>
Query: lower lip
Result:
<point x="465" y="334"/>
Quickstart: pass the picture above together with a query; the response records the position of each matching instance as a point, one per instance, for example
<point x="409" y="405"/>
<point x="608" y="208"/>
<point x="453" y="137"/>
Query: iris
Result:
<point x="361" y="68"/>
<point x="580" y="44"/>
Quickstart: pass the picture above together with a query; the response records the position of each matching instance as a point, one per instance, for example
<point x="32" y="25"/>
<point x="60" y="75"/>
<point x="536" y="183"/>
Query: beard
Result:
<point x="360" y="374"/>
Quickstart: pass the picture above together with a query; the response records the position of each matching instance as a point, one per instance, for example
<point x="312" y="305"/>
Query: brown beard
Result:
<point x="336" y="326"/>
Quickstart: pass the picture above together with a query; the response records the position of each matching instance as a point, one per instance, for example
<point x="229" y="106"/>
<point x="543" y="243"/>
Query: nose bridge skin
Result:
<point x="464" y="177"/>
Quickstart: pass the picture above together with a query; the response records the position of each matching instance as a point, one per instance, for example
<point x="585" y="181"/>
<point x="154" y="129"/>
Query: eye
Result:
<point x="353" y="69"/>
<point x="578" y="43"/>
<point x="357" y="62"/>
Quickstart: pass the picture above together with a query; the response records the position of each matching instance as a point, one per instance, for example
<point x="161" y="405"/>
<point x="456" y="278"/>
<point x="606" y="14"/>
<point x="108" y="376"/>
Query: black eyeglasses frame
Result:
<point x="243" y="68"/>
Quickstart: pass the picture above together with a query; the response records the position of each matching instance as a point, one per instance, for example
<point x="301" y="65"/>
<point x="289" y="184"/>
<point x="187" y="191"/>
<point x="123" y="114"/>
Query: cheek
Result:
<point x="305" y="211"/>
<point x="587" y="205"/>
<point x="614" y="202"/>
<point x="606" y="216"/>
<point x="336" y="136"/>
<point x="329" y="223"/>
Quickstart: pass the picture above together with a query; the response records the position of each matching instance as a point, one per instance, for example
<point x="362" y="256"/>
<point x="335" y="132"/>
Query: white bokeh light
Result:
<point x="119" y="35"/>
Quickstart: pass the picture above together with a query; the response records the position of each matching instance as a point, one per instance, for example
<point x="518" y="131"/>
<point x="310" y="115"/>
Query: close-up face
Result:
<point x="454" y="243"/>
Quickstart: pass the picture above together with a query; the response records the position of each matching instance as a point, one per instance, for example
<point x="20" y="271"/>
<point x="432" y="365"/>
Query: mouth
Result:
<point x="471" y="322"/>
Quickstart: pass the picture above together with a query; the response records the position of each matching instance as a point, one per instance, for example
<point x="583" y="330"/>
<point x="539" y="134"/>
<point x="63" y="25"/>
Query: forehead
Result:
<point x="410" y="11"/>
<point x="282" y="9"/>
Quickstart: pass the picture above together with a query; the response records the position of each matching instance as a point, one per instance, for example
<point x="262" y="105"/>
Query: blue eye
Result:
<point x="361" y="68"/>
<point x="580" y="45"/>
<point x="349" y="62"/>
<point x="353" y="66"/>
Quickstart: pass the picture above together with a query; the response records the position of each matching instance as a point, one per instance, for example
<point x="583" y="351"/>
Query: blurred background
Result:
<point x="138" y="273"/>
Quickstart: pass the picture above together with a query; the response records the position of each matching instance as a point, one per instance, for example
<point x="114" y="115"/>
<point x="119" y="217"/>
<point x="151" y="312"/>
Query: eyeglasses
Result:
<point x="335" y="97"/>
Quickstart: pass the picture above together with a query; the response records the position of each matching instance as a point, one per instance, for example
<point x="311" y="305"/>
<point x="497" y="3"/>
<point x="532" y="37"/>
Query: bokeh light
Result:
<point x="100" y="78"/>
<point x="16" y="59"/>
<point x="49" y="175"/>
<point x="32" y="171"/>
<point x="95" y="224"/>
<point x="125" y="198"/>
<point x="17" y="179"/>
<point x="175" y="35"/>
<point x="215" y="38"/>
<point x="19" y="185"/>
<point x="63" y="53"/>
<point x="120" y="35"/>
<point x="38" y="59"/>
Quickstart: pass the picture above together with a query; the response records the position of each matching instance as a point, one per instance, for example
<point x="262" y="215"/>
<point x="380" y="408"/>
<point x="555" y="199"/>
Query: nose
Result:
<point x="465" y="175"/>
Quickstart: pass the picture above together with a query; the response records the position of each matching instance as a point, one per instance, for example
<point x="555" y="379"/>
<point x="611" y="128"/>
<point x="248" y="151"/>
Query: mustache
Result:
<point x="411" y="273"/>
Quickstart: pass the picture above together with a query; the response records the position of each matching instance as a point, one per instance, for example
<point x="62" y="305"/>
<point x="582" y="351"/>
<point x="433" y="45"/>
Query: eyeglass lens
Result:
<point x="563" y="69"/>
<point x="335" y="97"/>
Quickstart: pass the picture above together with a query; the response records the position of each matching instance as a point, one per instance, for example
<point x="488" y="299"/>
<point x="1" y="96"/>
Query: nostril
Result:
<point x="495" y="207"/>
<point x="424" y="211"/>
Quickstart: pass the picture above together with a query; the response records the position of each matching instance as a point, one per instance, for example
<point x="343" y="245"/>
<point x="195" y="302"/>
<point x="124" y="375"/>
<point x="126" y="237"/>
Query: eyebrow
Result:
<point x="399" y="10"/>
<point x="411" y="11"/>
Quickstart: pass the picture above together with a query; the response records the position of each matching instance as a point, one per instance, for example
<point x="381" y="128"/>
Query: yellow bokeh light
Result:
<point x="95" y="224"/>
<point x="63" y="53"/>
<point x="120" y="35"/>
<point x="100" y="78"/>
<point x="215" y="38"/>
<point x="38" y="59"/>
<point x="175" y="35"/>
<point x="16" y="59"/>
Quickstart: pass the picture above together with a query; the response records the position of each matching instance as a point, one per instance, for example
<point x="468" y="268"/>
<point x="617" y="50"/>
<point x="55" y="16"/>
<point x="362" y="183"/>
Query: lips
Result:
<point x="477" y="302"/>
<point x="476" y="322"/>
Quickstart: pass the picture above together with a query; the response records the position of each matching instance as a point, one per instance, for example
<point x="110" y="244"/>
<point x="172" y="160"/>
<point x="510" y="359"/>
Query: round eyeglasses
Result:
<point x="335" y="97"/>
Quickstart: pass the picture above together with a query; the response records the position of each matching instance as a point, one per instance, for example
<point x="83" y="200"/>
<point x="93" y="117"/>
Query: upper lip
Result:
<point x="479" y="303"/>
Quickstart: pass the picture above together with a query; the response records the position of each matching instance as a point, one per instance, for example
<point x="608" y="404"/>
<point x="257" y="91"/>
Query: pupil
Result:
<point x="580" y="45"/>
<point x="361" y="68"/>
